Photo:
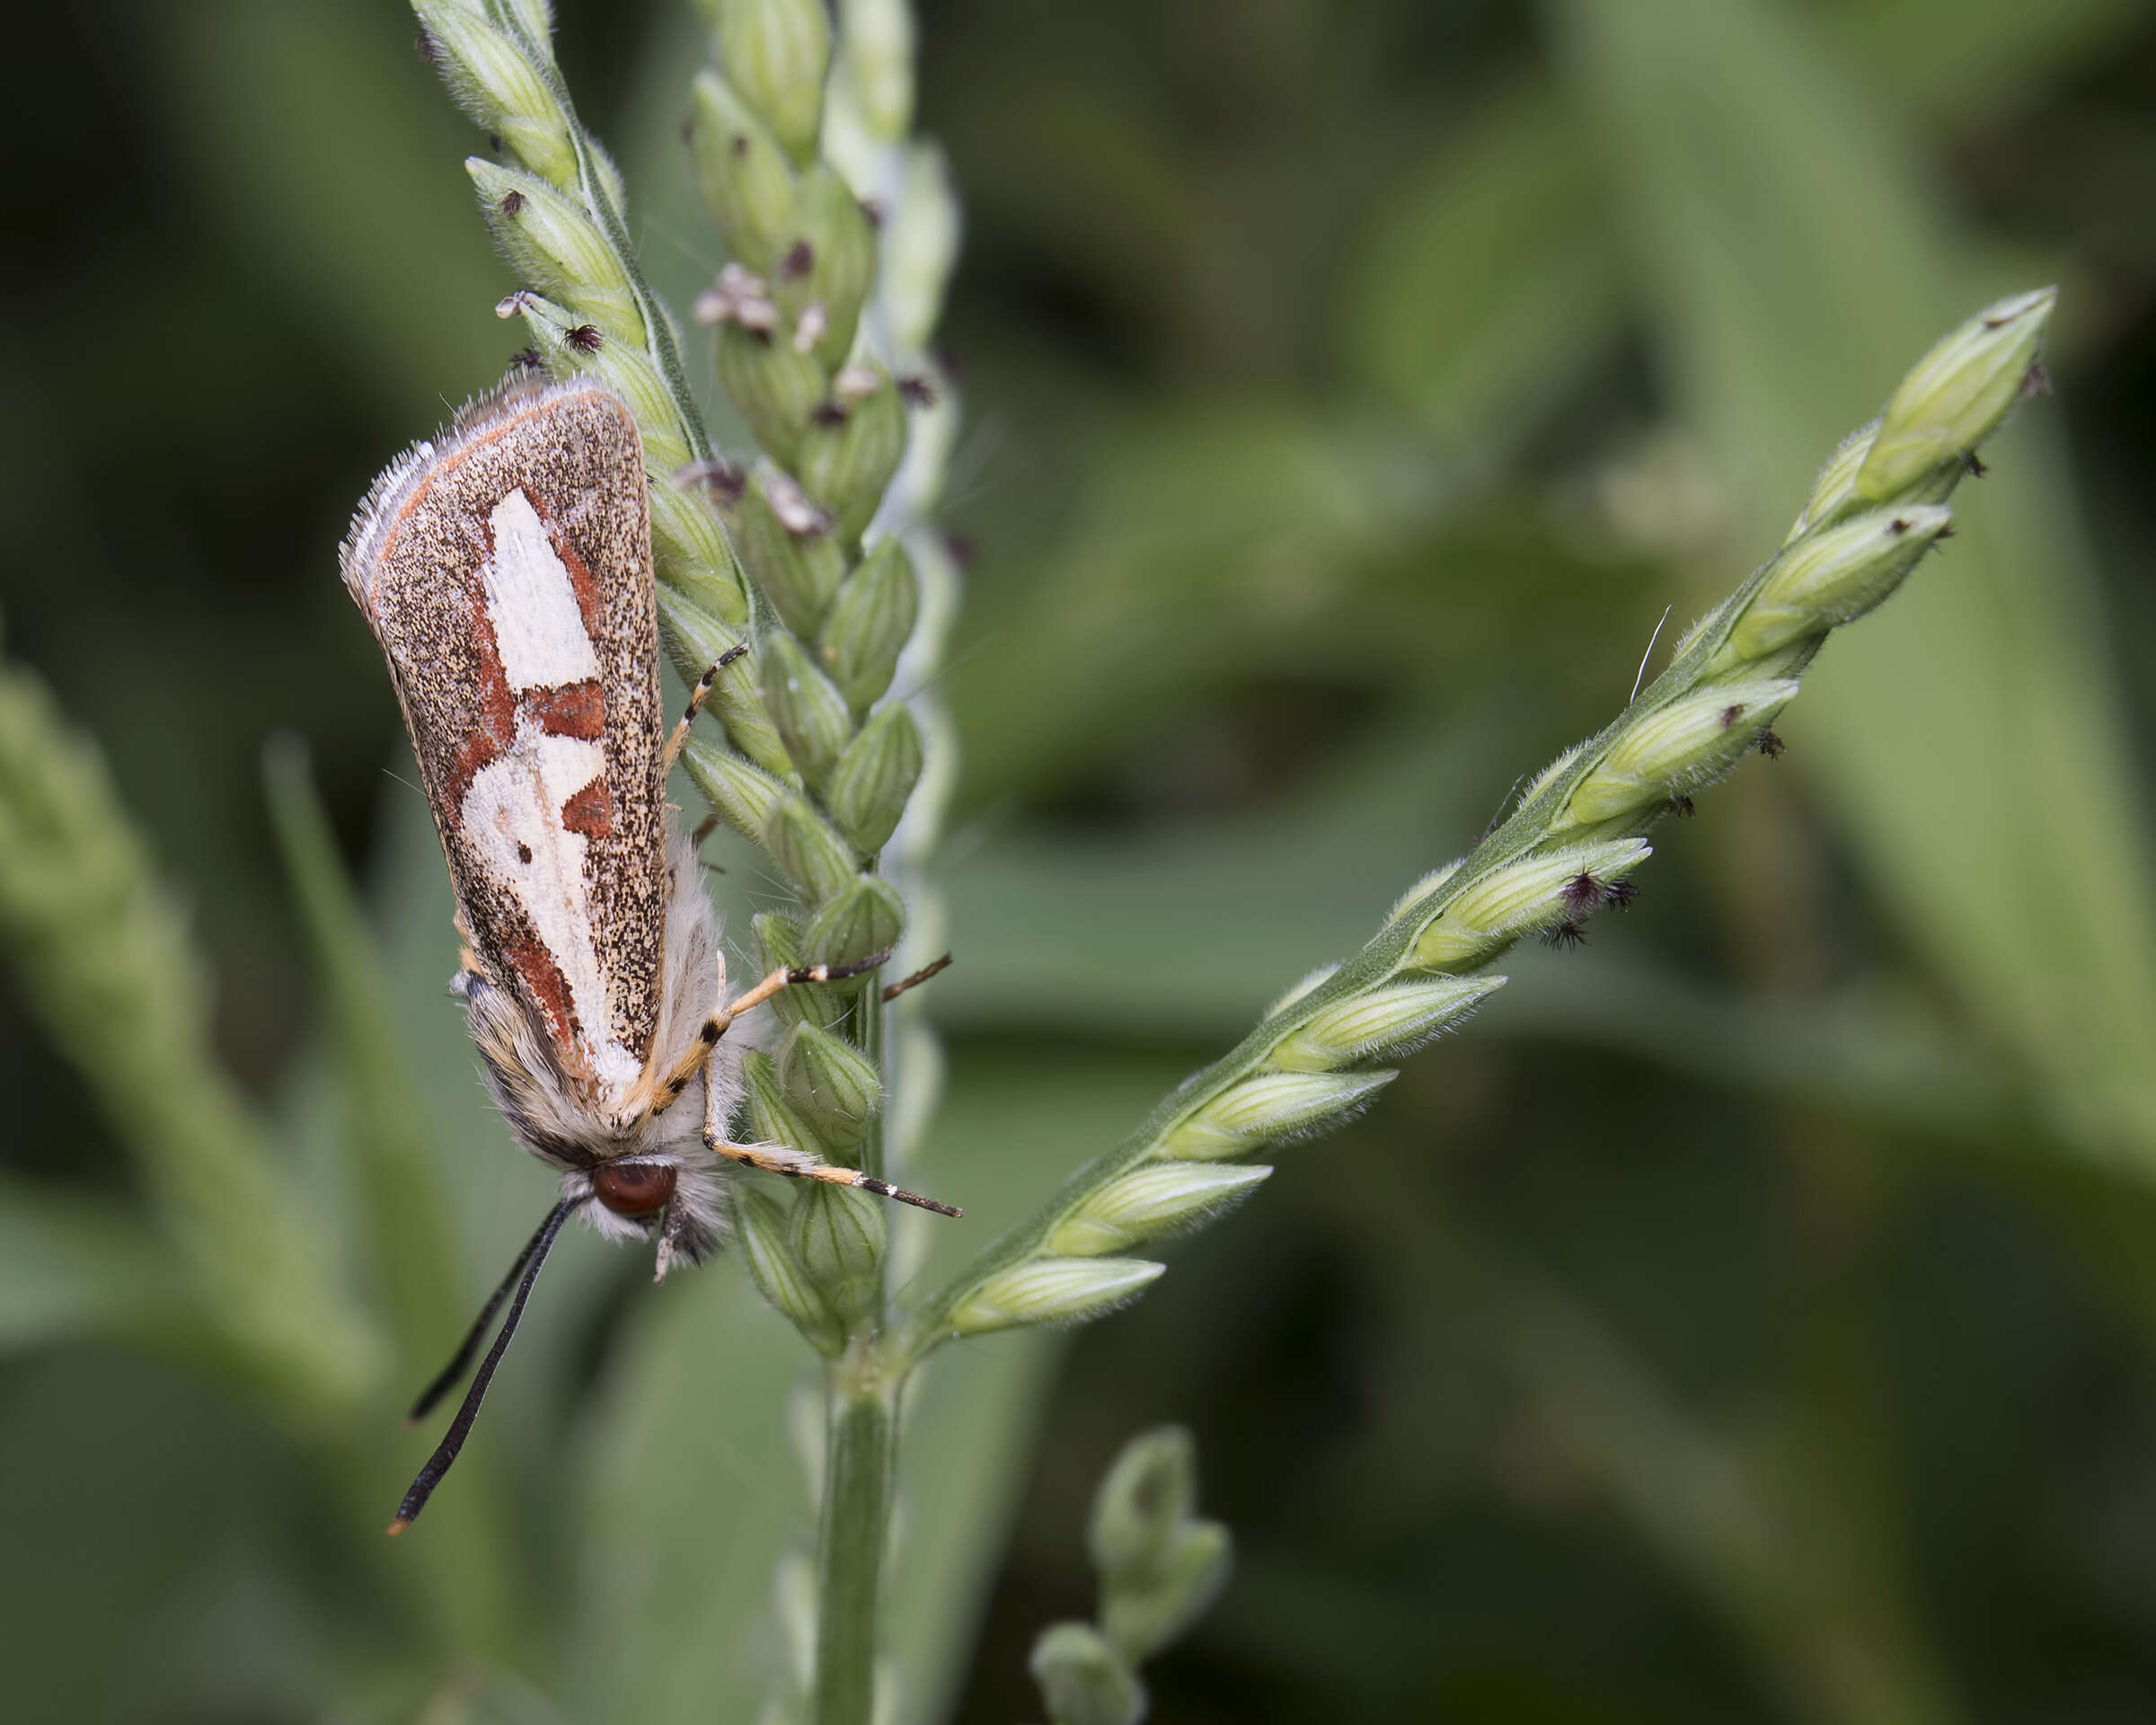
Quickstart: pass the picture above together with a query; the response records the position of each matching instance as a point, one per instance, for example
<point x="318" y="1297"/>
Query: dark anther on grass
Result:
<point x="722" y="480"/>
<point x="586" y="338"/>
<point x="1570" y="932"/>
<point x="526" y="359"/>
<point x="512" y="203"/>
<point x="1732" y="713"/>
<point x="1582" y="892"/>
<point x="1683" y="806"/>
<point x="917" y="391"/>
<point x="1977" y="470"/>
<point x="827" y="413"/>
<point x="2036" y="383"/>
<point x="1768" y="744"/>
<point x="799" y="261"/>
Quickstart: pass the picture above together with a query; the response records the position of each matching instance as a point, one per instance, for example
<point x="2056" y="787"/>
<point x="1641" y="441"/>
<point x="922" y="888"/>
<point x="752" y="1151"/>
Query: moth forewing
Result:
<point x="506" y="572"/>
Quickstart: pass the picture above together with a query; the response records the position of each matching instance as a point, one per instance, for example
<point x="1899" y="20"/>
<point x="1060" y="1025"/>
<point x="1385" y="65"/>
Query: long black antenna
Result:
<point x="460" y="1428"/>
<point x="453" y="1374"/>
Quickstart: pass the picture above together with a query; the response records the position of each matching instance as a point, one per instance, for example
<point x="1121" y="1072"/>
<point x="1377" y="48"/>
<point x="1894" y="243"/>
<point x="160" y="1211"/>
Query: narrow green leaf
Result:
<point x="411" y="1260"/>
<point x="110" y="975"/>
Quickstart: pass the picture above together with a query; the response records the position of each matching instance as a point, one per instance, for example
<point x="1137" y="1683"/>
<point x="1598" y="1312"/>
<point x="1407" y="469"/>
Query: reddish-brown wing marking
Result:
<point x="507" y="573"/>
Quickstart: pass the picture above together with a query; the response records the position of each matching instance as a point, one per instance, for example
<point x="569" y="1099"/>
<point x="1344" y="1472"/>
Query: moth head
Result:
<point x="671" y="1197"/>
<point x="634" y="1190"/>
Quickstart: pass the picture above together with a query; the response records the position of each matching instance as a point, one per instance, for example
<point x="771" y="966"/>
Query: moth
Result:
<point x="506" y="572"/>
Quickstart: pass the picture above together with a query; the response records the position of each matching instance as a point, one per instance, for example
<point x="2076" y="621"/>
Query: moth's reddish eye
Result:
<point x="633" y="1188"/>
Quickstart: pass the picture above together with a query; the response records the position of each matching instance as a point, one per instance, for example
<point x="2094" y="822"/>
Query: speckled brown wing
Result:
<point x="506" y="572"/>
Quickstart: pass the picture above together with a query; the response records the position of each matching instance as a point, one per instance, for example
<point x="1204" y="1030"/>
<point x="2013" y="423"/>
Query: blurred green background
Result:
<point x="1752" y="1316"/>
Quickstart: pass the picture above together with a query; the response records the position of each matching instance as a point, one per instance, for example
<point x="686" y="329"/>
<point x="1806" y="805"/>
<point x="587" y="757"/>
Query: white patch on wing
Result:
<point x="538" y="629"/>
<point x="512" y="812"/>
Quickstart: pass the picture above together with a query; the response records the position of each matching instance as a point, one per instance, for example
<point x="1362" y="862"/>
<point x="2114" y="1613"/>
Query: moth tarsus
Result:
<point x="893" y="990"/>
<point x="837" y="972"/>
<point x="884" y="1188"/>
<point x="697" y="697"/>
